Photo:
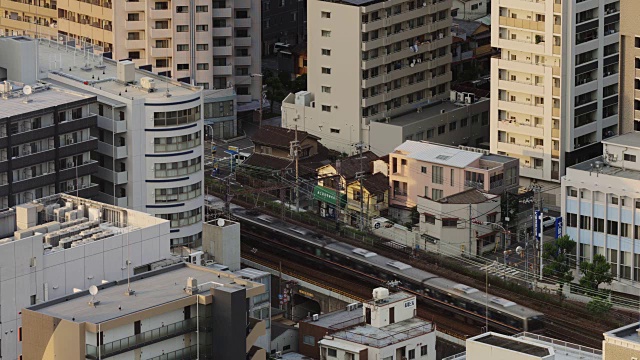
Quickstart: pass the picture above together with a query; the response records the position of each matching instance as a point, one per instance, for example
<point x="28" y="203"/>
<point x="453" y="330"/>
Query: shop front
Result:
<point x="326" y="201"/>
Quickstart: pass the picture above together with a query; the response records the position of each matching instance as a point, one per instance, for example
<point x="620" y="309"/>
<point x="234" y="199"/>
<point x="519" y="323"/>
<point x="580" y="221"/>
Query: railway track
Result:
<point x="305" y="270"/>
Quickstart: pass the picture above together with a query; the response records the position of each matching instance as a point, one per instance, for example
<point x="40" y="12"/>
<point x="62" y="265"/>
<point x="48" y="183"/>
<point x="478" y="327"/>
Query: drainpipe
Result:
<point x="623" y="151"/>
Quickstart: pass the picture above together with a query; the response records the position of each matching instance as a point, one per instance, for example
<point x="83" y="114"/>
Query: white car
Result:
<point x="548" y="221"/>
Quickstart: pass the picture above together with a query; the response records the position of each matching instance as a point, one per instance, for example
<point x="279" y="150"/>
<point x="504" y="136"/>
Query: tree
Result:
<point x="595" y="273"/>
<point x="598" y="305"/>
<point x="276" y="90"/>
<point x="556" y="255"/>
<point x="299" y="84"/>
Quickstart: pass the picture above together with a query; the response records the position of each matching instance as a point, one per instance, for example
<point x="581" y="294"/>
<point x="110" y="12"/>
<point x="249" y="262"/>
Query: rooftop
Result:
<point x="42" y="98"/>
<point x="336" y="317"/>
<point x="387" y="335"/>
<point x="627" y="333"/>
<point x="470" y="196"/>
<point x="438" y="154"/>
<point x="606" y="169"/>
<point x="71" y="65"/>
<point x="533" y="345"/>
<point x="349" y="166"/>
<point x="428" y="112"/>
<point x="631" y="139"/>
<point x="376" y="183"/>
<point x="278" y="136"/>
<point x="151" y="289"/>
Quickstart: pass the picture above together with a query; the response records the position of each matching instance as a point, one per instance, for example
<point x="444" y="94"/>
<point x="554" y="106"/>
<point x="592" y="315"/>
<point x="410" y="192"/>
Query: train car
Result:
<point x="444" y="290"/>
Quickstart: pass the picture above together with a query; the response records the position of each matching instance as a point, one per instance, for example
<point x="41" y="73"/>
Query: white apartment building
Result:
<point x="600" y="208"/>
<point x="388" y="329"/>
<point x="52" y="246"/>
<point x="554" y="87"/>
<point x="629" y="67"/>
<point x="214" y="44"/>
<point x="369" y="61"/>
<point x="149" y="131"/>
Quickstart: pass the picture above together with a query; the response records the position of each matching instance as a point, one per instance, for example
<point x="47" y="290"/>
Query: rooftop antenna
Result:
<point x="129" y="291"/>
<point x="93" y="290"/>
<point x="27" y="90"/>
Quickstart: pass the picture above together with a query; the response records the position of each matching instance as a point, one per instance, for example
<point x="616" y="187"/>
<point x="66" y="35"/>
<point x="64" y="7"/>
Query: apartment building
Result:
<point x="211" y="44"/>
<point x="605" y="219"/>
<point x="424" y="169"/>
<point x="470" y="9"/>
<point x="384" y="327"/>
<point x="179" y="312"/>
<point x="45" y="143"/>
<point x="369" y="61"/>
<point x="52" y="246"/>
<point x="149" y="133"/>
<point x="554" y="87"/>
<point x="629" y="67"/>
<point x="524" y="346"/>
<point x="622" y="343"/>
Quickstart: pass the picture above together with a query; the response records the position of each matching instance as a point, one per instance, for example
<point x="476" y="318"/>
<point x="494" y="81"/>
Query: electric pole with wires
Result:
<point x="360" y="178"/>
<point x="294" y="151"/>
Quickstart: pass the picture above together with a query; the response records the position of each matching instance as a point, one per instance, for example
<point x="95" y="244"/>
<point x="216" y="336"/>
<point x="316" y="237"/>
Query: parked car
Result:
<point x="548" y="221"/>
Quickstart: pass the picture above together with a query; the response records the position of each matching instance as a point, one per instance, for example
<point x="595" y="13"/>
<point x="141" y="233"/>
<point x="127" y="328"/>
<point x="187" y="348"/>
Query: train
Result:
<point x="466" y="300"/>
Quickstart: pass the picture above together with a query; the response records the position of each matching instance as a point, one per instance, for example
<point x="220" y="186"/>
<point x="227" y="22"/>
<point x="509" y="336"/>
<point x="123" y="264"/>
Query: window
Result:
<point x="423" y="169"/>
<point x="202" y="47"/>
<point x="629" y="157"/>
<point x="325" y="15"/>
<point x="573" y="192"/>
<point x="181" y="9"/>
<point x="309" y="340"/>
<point x="424" y="350"/>
<point x="182" y="28"/>
<point x="202" y="66"/>
<point x="436" y="174"/>
<point x="32" y="300"/>
<point x="133" y="17"/>
<point x="326" y="33"/>
<point x="332" y="352"/>
<point x="202" y="8"/>
<point x="134" y="55"/>
<point x="326" y="108"/>
<point x="326" y="89"/>
<point x="436" y="194"/>
<point x="335" y="131"/>
<point x="183" y="66"/>
<point x="326" y="52"/>
<point x="585" y="222"/>
<point x="201" y="28"/>
<point x="441" y="129"/>
<point x="452" y="177"/>
<point x="598" y="224"/>
<point x="182" y="47"/>
<point x="412" y="354"/>
<point x="463" y="122"/>
<point x="475" y="119"/>
<point x="572" y="220"/>
<point x="449" y="222"/>
<point x="20" y="333"/>
<point x="453" y="126"/>
<point x="612" y="227"/>
<point x="429" y="219"/>
<point x="326" y="70"/>
<point x="625" y="230"/>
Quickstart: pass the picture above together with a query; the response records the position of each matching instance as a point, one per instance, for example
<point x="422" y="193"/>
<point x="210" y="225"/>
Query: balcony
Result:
<point x="159" y="14"/>
<point x="221" y="31"/>
<point x="223" y="50"/>
<point x="135" y="44"/>
<point x="110" y="125"/>
<point x="522" y="24"/>
<point x="521" y="127"/>
<point x="139" y="340"/>
<point x="161" y="52"/>
<point x="555" y="133"/>
<point x="134" y="25"/>
<point x="108" y="199"/>
<point x="88" y="168"/>
<point x="118" y="177"/>
<point x="119" y="152"/>
<point x="90" y="144"/>
<point x="221" y="13"/>
<point x="242" y="23"/>
<point x="555" y="154"/>
<point x="223" y="70"/>
<point x="159" y="33"/>
<point x="242" y="41"/>
<point x="255" y="329"/>
<point x="242" y="60"/>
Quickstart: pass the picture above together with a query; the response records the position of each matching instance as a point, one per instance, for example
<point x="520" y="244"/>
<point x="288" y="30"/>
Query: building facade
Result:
<point x="60" y="243"/>
<point x="605" y="219"/>
<point x="621" y="343"/>
<point x="401" y="50"/>
<point x="629" y="67"/>
<point x="211" y="44"/>
<point x="149" y="133"/>
<point x="45" y="143"/>
<point x="283" y="25"/>
<point x="182" y="311"/>
<point x="554" y="88"/>
<point x="470" y="9"/>
<point x="423" y="169"/>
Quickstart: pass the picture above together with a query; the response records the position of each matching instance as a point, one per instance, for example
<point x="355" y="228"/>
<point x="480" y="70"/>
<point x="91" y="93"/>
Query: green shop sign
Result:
<point x="328" y="195"/>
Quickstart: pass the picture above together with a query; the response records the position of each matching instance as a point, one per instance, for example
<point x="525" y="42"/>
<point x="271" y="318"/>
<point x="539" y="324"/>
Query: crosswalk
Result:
<point x="497" y="269"/>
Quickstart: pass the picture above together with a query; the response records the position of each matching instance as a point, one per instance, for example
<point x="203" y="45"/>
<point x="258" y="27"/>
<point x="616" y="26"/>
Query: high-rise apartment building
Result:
<point x="369" y="61"/>
<point x="554" y="88"/>
<point x="212" y="44"/>
<point x="629" y="66"/>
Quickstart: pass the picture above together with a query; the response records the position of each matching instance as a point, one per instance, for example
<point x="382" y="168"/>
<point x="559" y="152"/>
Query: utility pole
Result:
<point x="338" y="186"/>
<point x="470" y="222"/>
<point x="227" y="197"/>
<point x="360" y="178"/>
<point x="294" y="149"/>
<point x="539" y="188"/>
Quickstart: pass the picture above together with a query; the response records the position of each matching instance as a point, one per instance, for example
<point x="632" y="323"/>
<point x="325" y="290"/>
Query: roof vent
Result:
<point x="192" y="286"/>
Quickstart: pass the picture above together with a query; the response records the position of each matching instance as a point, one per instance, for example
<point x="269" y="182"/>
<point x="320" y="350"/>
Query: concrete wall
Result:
<point x="14" y="67"/>
<point x="628" y="55"/>
<point x="223" y="243"/>
<point x="288" y="338"/>
<point x="229" y="319"/>
<point x="50" y="338"/>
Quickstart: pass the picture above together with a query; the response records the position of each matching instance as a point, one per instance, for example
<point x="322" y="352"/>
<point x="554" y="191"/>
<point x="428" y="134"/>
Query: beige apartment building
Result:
<point x="214" y="44"/>
<point x="370" y="60"/>
<point x="554" y="87"/>
<point x="629" y="66"/>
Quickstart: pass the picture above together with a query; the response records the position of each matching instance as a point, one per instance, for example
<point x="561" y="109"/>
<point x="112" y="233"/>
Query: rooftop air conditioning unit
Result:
<point x="148" y="83"/>
<point x="315" y="317"/>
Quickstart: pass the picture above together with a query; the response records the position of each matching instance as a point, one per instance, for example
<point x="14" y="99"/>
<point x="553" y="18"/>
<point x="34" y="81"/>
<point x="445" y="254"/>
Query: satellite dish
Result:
<point x="93" y="290"/>
<point x="519" y="249"/>
<point x="220" y="222"/>
<point x="27" y="90"/>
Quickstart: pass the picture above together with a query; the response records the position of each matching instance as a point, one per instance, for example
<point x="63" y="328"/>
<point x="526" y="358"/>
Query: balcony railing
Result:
<point x="147" y="337"/>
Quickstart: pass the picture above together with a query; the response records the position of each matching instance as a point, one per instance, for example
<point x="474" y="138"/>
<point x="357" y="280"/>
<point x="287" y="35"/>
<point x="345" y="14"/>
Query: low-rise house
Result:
<point x="444" y="223"/>
<point x="436" y="171"/>
<point x="372" y="197"/>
